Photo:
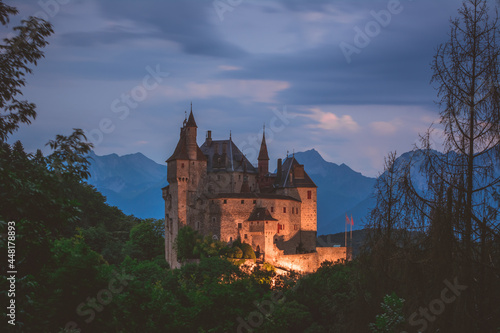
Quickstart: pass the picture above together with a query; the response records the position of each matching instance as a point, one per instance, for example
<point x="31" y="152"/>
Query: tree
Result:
<point x="390" y="208"/>
<point x="16" y="55"/>
<point x="146" y="240"/>
<point x="466" y="74"/>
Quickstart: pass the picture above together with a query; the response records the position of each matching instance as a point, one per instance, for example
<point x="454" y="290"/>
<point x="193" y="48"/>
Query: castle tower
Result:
<point x="186" y="173"/>
<point x="191" y="129"/>
<point x="263" y="157"/>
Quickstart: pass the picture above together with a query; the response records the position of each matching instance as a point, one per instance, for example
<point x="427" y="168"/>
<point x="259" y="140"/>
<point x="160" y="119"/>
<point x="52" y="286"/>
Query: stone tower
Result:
<point x="186" y="175"/>
<point x="263" y="157"/>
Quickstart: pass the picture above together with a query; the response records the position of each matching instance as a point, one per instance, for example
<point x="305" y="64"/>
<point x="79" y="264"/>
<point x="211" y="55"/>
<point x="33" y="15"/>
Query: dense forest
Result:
<point x="430" y="262"/>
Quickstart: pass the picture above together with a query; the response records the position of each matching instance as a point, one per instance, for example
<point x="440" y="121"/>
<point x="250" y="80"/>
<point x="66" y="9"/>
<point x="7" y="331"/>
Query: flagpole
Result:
<point x="351" y="231"/>
<point x="352" y="222"/>
<point x="345" y="231"/>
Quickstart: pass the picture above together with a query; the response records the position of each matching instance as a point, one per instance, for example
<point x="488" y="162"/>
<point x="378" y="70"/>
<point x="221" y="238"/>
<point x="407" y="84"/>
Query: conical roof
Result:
<point x="191" y="122"/>
<point x="263" y="155"/>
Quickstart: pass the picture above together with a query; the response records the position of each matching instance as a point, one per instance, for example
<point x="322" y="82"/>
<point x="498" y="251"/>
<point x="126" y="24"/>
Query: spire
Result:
<point x="191" y="122"/>
<point x="263" y="155"/>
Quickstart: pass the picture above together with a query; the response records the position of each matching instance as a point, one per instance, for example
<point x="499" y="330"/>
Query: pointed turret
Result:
<point x="191" y="122"/>
<point x="191" y="129"/>
<point x="263" y="156"/>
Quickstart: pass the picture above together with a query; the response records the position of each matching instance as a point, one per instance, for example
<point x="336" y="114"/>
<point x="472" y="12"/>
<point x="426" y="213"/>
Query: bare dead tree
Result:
<point x="466" y="74"/>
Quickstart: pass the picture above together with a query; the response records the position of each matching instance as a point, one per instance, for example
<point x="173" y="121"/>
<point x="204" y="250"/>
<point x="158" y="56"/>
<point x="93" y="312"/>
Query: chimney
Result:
<point x="209" y="138"/>
<point x="278" y="172"/>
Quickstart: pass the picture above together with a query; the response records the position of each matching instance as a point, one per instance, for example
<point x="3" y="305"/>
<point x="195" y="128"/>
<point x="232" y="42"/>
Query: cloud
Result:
<point x="330" y="121"/>
<point x="263" y="91"/>
<point x="229" y="68"/>
<point x="384" y="128"/>
<point x="186" y="23"/>
<point x="264" y="54"/>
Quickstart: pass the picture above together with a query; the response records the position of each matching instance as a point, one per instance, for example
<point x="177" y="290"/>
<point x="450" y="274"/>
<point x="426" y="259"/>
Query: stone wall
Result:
<point x="310" y="262"/>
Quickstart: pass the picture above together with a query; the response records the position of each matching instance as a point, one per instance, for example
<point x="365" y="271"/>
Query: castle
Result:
<point x="214" y="189"/>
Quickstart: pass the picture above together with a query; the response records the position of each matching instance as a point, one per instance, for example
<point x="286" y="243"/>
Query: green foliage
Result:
<point x="235" y="252"/>
<point x="392" y="318"/>
<point x="185" y="243"/>
<point x="333" y="296"/>
<point x="146" y="240"/>
<point x="291" y="316"/>
<point x="72" y="274"/>
<point x="264" y="274"/>
<point x="189" y="244"/>
<point x="18" y="54"/>
<point x="247" y="250"/>
<point x="69" y="155"/>
<point x="240" y="250"/>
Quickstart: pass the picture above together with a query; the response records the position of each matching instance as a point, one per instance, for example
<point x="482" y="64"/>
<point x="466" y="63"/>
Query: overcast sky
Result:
<point x="348" y="78"/>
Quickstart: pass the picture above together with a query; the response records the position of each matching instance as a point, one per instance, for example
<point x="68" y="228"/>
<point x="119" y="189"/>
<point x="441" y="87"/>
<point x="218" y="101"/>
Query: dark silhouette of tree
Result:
<point x="17" y="54"/>
<point x="386" y="221"/>
<point x="463" y="178"/>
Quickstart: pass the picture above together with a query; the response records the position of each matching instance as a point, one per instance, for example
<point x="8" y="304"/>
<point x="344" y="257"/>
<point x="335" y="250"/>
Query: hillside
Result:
<point x="131" y="182"/>
<point x="341" y="190"/>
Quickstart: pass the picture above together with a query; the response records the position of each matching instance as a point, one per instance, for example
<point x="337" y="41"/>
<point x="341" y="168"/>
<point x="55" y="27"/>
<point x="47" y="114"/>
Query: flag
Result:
<point x="352" y="221"/>
<point x="347" y="221"/>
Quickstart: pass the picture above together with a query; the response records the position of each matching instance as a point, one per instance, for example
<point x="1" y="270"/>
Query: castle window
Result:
<point x="254" y="202"/>
<point x="284" y="209"/>
<point x="213" y="219"/>
<point x="293" y="210"/>
<point x="240" y="225"/>
<point x="246" y="236"/>
<point x="242" y="202"/>
<point x="309" y="194"/>
<point x="225" y="201"/>
<point x="218" y="177"/>
<point x="239" y="176"/>
<point x="182" y="165"/>
<point x="296" y="227"/>
<point x="272" y="209"/>
<point x="297" y="210"/>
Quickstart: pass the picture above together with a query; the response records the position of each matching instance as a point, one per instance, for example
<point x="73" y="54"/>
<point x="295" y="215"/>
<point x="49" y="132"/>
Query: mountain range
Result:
<point x="133" y="183"/>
